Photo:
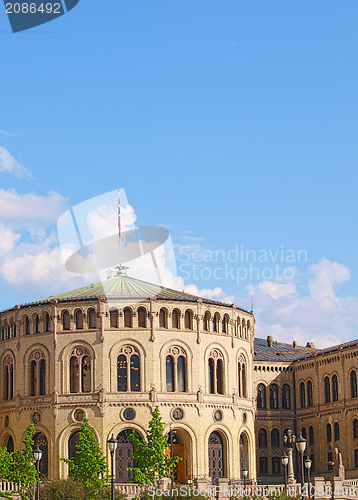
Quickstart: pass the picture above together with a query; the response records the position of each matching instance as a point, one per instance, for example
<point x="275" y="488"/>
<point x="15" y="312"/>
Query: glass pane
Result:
<point x="135" y="372"/>
<point x="170" y="374"/>
<point x="86" y="374"/>
<point x="74" y="375"/>
<point x="181" y="374"/>
<point x="42" y="377"/>
<point x="121" y="373"/>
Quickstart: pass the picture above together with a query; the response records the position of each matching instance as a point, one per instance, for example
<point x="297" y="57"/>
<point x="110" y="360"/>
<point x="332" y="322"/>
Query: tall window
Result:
<point x="47" y="323"/>
<point x="206" y="320"/>
<point x="80" y="370"/>
<point x="215" y="323"/>
<point x="66" y="320"/>
<point x="302" y="395"/>
<point x="128" y="370"/>
<point x="327" y="390"/>
<point x="162" y="318"/>
<point x="176" y="370"/>
<point x="276" y="465"/>
<point x="334" y="388"/>
<point x="309" y="394"/>
<point x="336" y="431"/>
<point x="275" y="438"/>
<point x="311" y="436"/>
<point x="329" y="433"/>
<point x="37" y="374"/>
<point x="141" y="317"/>
<point x="353" y="378"/>
<point x="355" y="428"/>
<point x="263" y="465"/>
<point x="226" y="324"/>
<point x="113" y="318"/>
<point x="127" y="318"/>
<point x="304" y="433"/>
<point x="238" y="327"/>
<point x="261" y="396"/>
<point x="263" y="438"/>
<point x="27" y="327"/>
<point x="216" y="372"/>
<point x="329" y="460"/>
<point x="175" y="319"/>
<point x="273" y="396"/>
<point x="312" y="466"/>
<point x="242" y="378"/>
<point x="36" y="324"/>
<point x="8" y="378"/>
<point x="79" y="320"/>
<point x="72" y="444"/>
<point x="188" y="320"/>
<point x="355" y="458"/>
<point x="92" y="318"/>
<point x="286" y="397"/>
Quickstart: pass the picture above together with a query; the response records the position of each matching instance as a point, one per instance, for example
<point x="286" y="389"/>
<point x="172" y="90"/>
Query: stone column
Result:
<point x="290" y="474"/>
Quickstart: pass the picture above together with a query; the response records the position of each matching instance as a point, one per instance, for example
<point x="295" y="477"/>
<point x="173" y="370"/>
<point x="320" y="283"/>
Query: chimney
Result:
<point x="311" y="345"/>
<point x="294" y="343"/>
<point x="269" y="340"/>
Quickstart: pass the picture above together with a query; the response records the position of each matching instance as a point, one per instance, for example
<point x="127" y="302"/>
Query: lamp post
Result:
<point x="289" y="441"/>
<point x="308" y="464"/>
<point x="112" y="446"/>
<point x="301" y="446"/>
<point x="244" y="473"/>
<point x="37" y="457"/>
<point x="284" y="461"/>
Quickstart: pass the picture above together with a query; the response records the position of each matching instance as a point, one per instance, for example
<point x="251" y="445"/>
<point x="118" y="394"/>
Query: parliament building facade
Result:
<point x="115" y="350"/>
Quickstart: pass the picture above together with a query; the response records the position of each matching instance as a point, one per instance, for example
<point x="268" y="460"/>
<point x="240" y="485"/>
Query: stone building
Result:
<point x="116" y="349"/>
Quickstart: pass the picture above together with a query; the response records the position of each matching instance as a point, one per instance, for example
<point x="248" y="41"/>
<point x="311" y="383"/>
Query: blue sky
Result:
<point x="231" y="123"/>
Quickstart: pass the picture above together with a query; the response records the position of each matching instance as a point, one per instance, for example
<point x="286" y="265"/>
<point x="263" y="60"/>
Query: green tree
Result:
<point x="89" y="467"/>
<point x="149" y="453"/>
<point x="19" y="467"/>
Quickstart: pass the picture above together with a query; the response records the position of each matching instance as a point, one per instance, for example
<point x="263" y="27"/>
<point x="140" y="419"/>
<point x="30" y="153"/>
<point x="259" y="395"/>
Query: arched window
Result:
<point x="215" y="323"/>
<point x="8" y="378"/>
<point x="238" y="327"/>
<point x="311" y="436"/>
<point x="80" y="370"/>
<point x="329" y="433"/>
<point x="92" y="318"/>
<point x="244" y="385"/>
<point x="40" y="441"/>
<point x="275" y="438"/>
<point x="309" y="394"/>
<point x="263" y="438"/>
<point x="355" y="458"/>
<point x="304" y="433"/>
<point x="334" y="388"/>
<point x="336" y="431"/>
<point x="355" y="428"/>
<point x="273" y="396"/>
<point x="216" y="372"/>
<point x="286" y="397"/>
<point x="79" y="320"/>
<point x="27" y="327"/>
<point x="128" y="369"/>
<point x="113" y="318"/>
<point x="353" y="378"/>
<point x="141" y="317"/>
<point x="162" y="318"/>
<point x="261" y="396"/>
<point x="239" y="378"/>
<point x="66" y="320"/>
<point x="10" y="444"/>
<point x="175" y="319"/>
<point x="72" y="444"/>
<point x="206" y="320"/>
<point x="327" y="390"/>
<point x="188" y="320"/>
<point x="37" y="374"/>
<point x="47" y="323"/>
<point x="127" y="318"/>
<point x="302" y="395"/>
<point x="243" y="329"/>
<point x="176" y="370"/>
<point x="226" y="324"/>
<point x="36" y="324"/>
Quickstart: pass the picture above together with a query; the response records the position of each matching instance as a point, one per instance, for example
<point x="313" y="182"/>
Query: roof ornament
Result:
<point x="122" y="270"/>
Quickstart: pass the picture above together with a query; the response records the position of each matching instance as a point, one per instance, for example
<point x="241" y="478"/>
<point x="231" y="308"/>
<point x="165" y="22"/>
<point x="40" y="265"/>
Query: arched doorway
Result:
<point x="243" y="452"/>
<point x="9" y="444"/>
<point x="182" y="449"/>
<point x="41" y="441"/>
<point x="216" y="455"/>
<point x="123" y="457"/>
<point x="72" y="443"/>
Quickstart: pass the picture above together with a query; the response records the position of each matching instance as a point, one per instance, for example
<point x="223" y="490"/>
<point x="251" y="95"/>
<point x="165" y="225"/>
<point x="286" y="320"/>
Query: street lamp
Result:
<point x="37" y="457"/>
<point x="308" y="464"/>
<point x="289" y="440"/>
<point x="245" y="473"/>
<point x="112" y="446"/>
<point x="284" y="461"/>
<point x="301" y="446"/>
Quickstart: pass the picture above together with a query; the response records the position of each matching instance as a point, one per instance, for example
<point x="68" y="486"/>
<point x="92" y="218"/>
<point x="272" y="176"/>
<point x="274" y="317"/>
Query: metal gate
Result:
<point x="216" y="455"/>
<point x="123" y="457"/>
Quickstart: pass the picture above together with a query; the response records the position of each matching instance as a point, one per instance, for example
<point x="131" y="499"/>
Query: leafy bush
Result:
<point x="72" y="490"/>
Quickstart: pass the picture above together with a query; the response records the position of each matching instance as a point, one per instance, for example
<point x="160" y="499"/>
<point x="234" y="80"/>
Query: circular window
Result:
<point x="129" y="414"/>
<point x="244" y="418"/>
<point x="177" y="414"/>
<point x="7" y="421"/>
<point x="218" y="415"/>
<point x="36" y="418"/>
<point x="78" y="415"/>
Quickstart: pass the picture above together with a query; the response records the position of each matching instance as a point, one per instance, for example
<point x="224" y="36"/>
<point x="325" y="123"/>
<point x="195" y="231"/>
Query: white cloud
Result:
<point x="8" y="239"/>
<point x="276" y="290"/>
<point x="5" y="133"/>
<point x="216" y="293"/>
<point x="10" y="165"/>
<point x="103" y="220"/>
<point x="325" y="276"/>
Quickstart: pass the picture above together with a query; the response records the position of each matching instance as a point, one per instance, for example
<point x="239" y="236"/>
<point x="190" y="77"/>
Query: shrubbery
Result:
<point x="72" y="490"/>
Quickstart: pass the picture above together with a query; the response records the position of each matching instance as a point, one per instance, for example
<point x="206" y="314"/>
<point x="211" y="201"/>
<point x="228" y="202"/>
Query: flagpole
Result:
<point x="119" y="229"/>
